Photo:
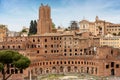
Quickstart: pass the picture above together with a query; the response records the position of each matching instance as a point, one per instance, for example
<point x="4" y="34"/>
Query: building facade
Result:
<point x="98" y="27"/>
<point x="62" y="53"/>
<point x="110" y="40"/>
<point x="113" y="29"/>
<point x="65" y="53"/>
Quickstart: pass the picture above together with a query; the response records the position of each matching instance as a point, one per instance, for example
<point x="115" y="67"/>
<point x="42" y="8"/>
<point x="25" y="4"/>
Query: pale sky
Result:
<point x="19" y="13"/>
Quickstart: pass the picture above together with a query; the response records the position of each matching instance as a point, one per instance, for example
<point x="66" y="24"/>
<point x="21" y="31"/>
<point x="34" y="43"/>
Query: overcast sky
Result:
<point x="19" y="13"/>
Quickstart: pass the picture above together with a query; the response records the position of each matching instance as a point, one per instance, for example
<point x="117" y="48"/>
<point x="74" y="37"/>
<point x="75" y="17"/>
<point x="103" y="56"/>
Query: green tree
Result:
<point x="23" y="31"/>
<point x="33" y="27"/>
<point x="8" y="58"/>
<point x="53" y="26"/>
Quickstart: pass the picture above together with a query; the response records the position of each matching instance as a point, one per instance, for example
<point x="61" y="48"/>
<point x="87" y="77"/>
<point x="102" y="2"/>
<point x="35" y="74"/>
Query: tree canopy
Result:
<point x="53" y="26"/>
<point x="24" y="30"/>
<point x="9" y="57"/>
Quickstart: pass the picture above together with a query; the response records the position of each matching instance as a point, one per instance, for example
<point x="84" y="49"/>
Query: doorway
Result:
<point x="112" y="72"/>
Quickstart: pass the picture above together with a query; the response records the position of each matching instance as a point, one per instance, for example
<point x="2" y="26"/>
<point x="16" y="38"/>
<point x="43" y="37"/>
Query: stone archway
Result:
<point x="54" y="70"/>
<point x="82" y="70"/>
<point x="112" y="72"/>
<point x="61" y="68"/>
<point x="69" y="69"/>
<point x="75" y="69"/>
<point x="32" y="71"/>
<point x="87" y="69"/>
<point x="47" y="71"/>
<point x="40" y="70"/>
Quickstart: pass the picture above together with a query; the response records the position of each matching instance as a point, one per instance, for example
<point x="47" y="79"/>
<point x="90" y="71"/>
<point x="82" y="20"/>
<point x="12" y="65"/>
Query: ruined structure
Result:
<point x="65" y="53"/>
<point x="62" y="53"/>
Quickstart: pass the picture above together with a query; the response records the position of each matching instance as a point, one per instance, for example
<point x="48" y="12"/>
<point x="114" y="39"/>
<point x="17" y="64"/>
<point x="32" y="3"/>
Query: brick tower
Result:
<point x="44" y="21"/>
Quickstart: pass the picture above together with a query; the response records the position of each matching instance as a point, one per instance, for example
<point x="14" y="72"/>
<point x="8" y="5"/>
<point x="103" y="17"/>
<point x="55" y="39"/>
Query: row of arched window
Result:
<point x="63" y="63"/>
<point x="11" y="47"/>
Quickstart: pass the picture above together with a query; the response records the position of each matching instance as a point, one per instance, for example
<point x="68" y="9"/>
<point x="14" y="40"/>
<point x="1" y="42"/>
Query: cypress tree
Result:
<point x="33" y="27"/>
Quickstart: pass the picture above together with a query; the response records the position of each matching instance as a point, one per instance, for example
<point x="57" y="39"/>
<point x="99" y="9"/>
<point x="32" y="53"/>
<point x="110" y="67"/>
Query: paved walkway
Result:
<point x="77" y="77"/>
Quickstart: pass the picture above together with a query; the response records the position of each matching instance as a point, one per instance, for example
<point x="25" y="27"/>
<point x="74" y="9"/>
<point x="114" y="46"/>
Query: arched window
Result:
<point x="3" y="47"/>
<point x="8" y="47"/>
<point x="38" y="40"/>
<point x="33" y="40"/>
<point x="19" y="47"/>
<point x="13" y="47"/>
<point x="45" y="40"/>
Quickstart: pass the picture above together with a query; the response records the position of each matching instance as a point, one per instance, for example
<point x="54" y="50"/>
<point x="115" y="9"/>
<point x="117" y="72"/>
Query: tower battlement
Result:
<point x="44" y="21"/>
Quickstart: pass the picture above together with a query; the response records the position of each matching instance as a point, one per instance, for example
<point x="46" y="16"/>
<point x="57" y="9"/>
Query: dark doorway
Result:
<point x="41" y="70"/>
<point x="69" y="68"/>
<point x="47" y="71"/>
<point x="87" y="69"/>
<point x="112" y="72"/>
<point x="61" y="69"/>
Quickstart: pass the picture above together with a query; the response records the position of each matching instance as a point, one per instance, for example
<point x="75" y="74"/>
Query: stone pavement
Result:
<point x="75" y="77"/>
